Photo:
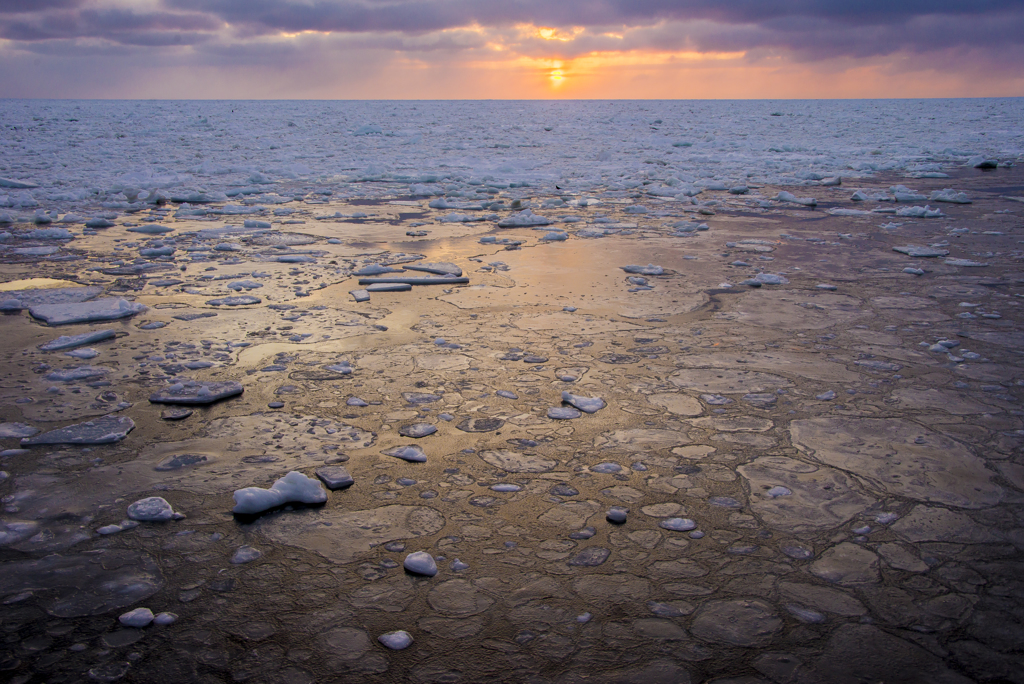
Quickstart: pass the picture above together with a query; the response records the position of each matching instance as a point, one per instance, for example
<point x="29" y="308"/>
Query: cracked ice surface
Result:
<point x="800" y="453"/>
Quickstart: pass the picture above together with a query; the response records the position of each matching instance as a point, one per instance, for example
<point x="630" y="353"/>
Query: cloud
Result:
<point x="457" y="36"/>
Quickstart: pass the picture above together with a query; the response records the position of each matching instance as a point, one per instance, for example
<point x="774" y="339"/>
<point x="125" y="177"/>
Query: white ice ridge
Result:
<point x="293" y="487"/>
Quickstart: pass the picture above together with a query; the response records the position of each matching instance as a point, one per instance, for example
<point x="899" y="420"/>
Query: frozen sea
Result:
<point x="93" y="150"/>
<point x="546" y="392"/>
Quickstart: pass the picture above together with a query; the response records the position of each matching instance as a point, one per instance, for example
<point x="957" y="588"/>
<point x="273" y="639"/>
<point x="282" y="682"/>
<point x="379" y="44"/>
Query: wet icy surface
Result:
<point x="710" y="435"/>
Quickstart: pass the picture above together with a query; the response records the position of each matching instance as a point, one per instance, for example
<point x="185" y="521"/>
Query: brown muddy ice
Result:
<point x="812" y="447"/>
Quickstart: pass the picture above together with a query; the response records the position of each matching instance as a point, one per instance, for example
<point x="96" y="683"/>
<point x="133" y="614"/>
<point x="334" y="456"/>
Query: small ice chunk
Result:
<point x="408" y="452"/>
<point x="617" y="514"/>
<point x="805" y="614"/>
<point x="397" y="640"/>
<point x="420" y="563"/>
<point x="607" y="468"/>
<point x="293" y="487"/>
<point x="949" y="195"/>
<point x="149" y="229"/>
<point x="649" y="269"/>
<point x="152" y="509"/>
<point x="678" y="524"/>
<point x="771" y="279"/>
<point x="784" y="196"/>
<point x="140" y="617"/>
<point x="524" y="218"/>
<point x="921" y="251"/>
<point x="778" y="491"/>
<point x="826" y="396"/>
<point x="245" y="554"/>
<point x="563" y="413"/>
<point x="335" y="477"/>
<point x="585" y="404"/>
<point x="164" y="619"/>
<point x="194" y="392"/>
<point x="919" y="212"/>
<point x="417" y="430"/>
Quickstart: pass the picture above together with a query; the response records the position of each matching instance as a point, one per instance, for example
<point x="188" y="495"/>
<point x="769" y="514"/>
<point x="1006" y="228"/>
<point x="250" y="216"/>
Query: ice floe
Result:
<point x="292" y="488"/>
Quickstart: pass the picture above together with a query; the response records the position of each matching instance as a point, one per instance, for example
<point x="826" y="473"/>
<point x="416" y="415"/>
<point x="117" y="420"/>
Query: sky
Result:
<point x="511" y="49"/>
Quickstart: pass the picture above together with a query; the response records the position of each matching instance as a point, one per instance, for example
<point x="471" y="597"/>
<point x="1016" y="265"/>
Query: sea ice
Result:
<point x="919" y="212"/>
<point x="784" y="196"/>
<point x="84" y="312"/>
<point x="245" y="554"/>
<point x="195" y="392"/>
<point x="293" y="487"/>
<point x="335" y="477"/>
<point x="523" y="218"/>
<point x="140" y="617"/>
<point x="409" y="452"/>
<point x="17" y="430"/>
<point x="649" y="269"/>
<point x="949" y="195"/>
<point x="396" y="641"/>
<point x="105" y="430"/>
<point x="678" y="524"/>
<point x="585" y="404"/>
<point x="920" y="251"/>
<point x="420" y="563"/>
<point x="152" y="509"/>
<point x="71" y="341"/>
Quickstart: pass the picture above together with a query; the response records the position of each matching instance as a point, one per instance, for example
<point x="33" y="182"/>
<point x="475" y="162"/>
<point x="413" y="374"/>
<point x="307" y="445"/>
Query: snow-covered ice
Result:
<point x="292" y="488"/>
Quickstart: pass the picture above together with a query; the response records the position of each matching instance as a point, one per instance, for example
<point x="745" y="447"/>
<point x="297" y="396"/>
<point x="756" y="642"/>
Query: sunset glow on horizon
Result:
<point x="456" y="49"/>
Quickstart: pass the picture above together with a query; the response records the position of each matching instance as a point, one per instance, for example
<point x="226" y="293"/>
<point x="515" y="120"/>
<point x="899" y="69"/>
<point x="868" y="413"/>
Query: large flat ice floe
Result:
<point x="107" y="309"/>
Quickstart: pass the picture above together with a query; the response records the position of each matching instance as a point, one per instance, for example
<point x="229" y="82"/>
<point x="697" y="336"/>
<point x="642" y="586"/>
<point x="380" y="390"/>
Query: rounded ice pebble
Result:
<point x="140" y="617"/>
<point x="153" y="508"/>
<point x="616" y="514"/>
<point x="678" y="524"/>
<point x="779" y="491"/>
<point x="607" y="468"/>
<point x="420" y="563"/>
<point x="164" y="619"/>
<point x="396" y="641"/>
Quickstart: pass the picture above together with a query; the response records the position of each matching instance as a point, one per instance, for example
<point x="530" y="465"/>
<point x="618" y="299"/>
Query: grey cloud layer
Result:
<point x="812" y="28"/>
